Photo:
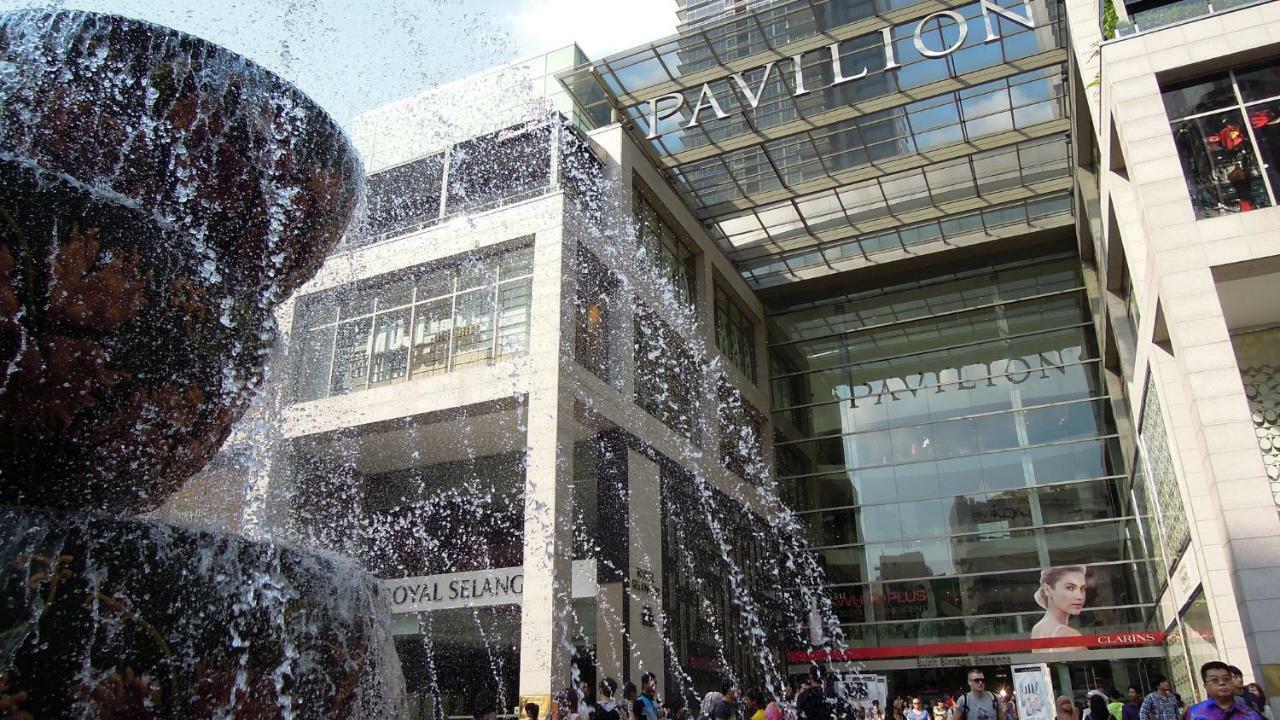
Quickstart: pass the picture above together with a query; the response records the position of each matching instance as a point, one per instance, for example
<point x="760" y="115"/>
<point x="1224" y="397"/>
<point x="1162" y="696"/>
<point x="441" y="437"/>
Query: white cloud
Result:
<point x="600" y="28"/>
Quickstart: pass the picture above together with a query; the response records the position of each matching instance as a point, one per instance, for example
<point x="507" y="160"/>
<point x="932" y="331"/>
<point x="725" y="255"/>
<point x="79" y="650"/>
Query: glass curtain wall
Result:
<point x="670" y="254"/>
<point x="593" y="310"/>
<point x="436" y="318"/>
<point x="1168" y="512"/>
<point x="943" y="443"/>
<point x="485" y="495"/>
<point x="668" y="376"/>
<point x="735" y="334"/>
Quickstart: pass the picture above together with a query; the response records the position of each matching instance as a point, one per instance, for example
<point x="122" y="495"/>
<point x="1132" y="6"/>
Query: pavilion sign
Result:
<point x="664" y="107"/>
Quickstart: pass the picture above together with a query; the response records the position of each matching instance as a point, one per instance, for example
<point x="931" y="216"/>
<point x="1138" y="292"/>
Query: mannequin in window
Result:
<point x="1237" y="160"/>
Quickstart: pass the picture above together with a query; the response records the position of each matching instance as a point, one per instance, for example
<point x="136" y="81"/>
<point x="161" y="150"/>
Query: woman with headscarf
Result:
<point x="1065" y="708"/>
<point x="1097" y="709"/>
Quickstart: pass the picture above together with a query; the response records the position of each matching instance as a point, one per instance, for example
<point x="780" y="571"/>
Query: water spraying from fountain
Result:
<point x="209" y="193"/>
<point x="159" y="196"/>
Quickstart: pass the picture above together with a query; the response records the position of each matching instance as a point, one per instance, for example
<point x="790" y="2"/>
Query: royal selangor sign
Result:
<point x="479" y="588"/>
<point x="663" y="107"/>
<point x="499" y="586"/>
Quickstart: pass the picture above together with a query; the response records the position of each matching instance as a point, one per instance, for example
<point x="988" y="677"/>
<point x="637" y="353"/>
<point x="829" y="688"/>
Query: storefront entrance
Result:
<point x="932" y="679"/>
<point x="461" y="658"/>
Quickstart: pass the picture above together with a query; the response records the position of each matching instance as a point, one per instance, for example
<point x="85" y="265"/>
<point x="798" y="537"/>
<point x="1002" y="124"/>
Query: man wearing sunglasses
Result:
<point x="977" y="704"/>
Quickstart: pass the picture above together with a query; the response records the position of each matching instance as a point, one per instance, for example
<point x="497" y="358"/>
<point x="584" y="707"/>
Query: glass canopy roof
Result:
<point x="876" y="139"/>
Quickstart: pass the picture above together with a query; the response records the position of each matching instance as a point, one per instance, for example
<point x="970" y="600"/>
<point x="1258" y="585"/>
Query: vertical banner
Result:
<point x="862" y="690"/>
<point x="859" y="690"/>
<point x="1034" y="687"/>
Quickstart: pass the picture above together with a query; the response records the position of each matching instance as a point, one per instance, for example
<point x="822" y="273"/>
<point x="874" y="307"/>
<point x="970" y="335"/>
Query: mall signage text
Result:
<point x="962" y="661"/>
<point x="982" y="647"/>
<point x="467" y="589"/>
<point x="1015" y="370"/>
<point x="477" y="588"/>
<point x="663" y="107"/>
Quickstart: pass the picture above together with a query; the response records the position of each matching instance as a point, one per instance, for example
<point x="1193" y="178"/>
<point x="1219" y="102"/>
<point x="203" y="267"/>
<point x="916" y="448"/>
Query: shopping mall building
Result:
<point x="987" y="292"/>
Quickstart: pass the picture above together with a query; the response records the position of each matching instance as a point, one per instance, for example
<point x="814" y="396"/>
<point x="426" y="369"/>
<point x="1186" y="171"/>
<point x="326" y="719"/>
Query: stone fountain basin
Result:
<point x="144" y="620"/>
<point x="159" y="195"/>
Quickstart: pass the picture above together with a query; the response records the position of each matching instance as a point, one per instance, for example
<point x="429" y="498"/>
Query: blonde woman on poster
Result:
<point x="1062" y="594"/>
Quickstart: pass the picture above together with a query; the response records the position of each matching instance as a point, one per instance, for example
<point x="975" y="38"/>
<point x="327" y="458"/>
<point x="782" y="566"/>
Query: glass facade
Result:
<point x="668" y="376"/>
<point x="432" y="319"/>
<point x="636" y="74"/>
<point x="670" y="254"/>
<point x="800" y="171"/>
<point x="1000" y="220"/>
<point x="740" y="433"/>
<point x="1169" y="513"/>
<point x="592" y="312"/>
<point x="735" y="334"/>
<point x="483" y="173"/>
<point x="833" y="214"/>
<point x="1197" y="628"/>
<point x="1018" y="102"/>
<point x="943" y="443"/>
<point x="1227" y="129"/>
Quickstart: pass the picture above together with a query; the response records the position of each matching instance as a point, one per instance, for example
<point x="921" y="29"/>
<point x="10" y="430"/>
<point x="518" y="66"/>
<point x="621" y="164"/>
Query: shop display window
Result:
<point x="1227" y="130"/>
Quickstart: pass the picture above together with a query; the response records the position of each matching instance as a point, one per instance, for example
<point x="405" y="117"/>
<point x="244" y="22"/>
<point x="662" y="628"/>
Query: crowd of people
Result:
<point x="816" y="698"/>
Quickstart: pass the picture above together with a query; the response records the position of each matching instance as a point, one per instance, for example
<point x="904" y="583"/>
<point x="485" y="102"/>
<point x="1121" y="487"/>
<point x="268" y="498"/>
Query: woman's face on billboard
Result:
<point x="1067" y="595"/>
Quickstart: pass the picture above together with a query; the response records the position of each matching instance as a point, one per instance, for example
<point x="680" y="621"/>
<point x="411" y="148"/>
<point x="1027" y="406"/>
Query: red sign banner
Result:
<point x="989" y="647"/>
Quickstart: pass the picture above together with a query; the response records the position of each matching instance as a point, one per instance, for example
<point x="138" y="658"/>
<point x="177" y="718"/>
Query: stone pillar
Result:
<point x="611" y="630"/>
<point x="613" y="511"/>
<point x="644" y="485"/>
<point x="545" y="645"/>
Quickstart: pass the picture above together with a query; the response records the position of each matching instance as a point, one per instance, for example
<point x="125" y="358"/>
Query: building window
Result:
<point x="735" y="334"/>
<point x="668" y="375"/>
<point x="413" y="516"/>
<point x="1131" y="305"/>
<point x="740" y="433"/>
<point x="472" y="310"/>
<point x="1227" y="129"/>
<point x="593" y="315"/>
<point x="1170" y="515"/>
<point x="671" y="256"/>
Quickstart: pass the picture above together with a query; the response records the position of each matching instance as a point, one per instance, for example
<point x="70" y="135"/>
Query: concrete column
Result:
<point x="548" y="524"/>
<point x="709" y="439"/>
<point x="611" y="630"/>
<point x="622" y="336"/>
<point x="644" y="485"/>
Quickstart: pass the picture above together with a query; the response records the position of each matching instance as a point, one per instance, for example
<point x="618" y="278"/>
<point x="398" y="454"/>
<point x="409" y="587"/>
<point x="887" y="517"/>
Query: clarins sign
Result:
<point x="664" y="107"/>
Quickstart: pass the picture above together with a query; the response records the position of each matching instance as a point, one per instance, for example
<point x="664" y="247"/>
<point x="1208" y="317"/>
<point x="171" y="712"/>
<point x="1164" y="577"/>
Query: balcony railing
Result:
<point x="1140" y="21"/>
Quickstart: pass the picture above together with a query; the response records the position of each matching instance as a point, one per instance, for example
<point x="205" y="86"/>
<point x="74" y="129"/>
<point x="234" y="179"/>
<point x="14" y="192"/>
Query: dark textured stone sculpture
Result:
<point x="159" y="196"/>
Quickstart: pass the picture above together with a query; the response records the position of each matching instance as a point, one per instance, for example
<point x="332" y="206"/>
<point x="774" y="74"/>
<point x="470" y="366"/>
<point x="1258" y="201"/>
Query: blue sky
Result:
<point x="352" y="55"/>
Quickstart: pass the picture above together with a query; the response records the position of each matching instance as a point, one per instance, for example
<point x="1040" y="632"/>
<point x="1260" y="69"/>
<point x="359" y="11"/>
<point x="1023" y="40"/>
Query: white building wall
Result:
<point x="1183" y="339"/>
<point x="556" y="396"/>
